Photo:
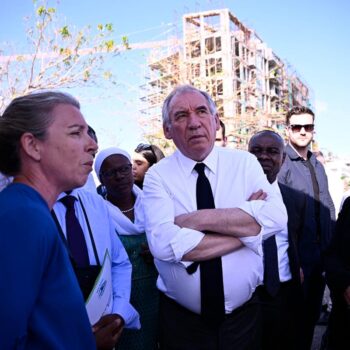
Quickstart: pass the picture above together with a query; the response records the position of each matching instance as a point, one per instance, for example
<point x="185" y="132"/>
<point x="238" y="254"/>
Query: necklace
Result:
<point x="123" y="211"/>
<point x="128" y="210"/>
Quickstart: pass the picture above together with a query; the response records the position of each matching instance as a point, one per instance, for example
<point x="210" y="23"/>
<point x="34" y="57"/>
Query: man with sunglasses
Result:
<point x="303" y="172"/>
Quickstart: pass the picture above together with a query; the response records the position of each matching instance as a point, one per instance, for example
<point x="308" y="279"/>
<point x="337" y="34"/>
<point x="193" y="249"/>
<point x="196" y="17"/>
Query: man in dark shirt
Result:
<point x="303" y="172"/>
<point x="338" y="279"/>
<point x="280" y="305"/>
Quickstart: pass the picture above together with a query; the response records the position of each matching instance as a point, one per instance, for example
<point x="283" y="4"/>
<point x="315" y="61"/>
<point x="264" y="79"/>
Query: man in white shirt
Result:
<point x="100" y="236"/>
<point x="174" y="228"/>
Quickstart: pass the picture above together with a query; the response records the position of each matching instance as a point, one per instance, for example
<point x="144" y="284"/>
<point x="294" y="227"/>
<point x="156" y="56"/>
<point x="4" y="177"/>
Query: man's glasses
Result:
<point x="298" y="127"/>
<point x="123" y="170"/>
<point x="144" y="147"/>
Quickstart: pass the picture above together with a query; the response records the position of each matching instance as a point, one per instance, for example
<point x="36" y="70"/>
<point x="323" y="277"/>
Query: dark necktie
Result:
<point x="271" y="276"/>
<point x="212" y="287"/>
<point x="75" y="235"/>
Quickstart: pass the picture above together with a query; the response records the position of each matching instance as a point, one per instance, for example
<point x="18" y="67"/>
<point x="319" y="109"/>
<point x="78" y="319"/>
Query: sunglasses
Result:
<point x="298" y="127"/>
<point x="145" y="147"/>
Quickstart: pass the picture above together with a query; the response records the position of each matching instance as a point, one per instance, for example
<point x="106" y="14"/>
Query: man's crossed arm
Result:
<point x="226" y="227"/>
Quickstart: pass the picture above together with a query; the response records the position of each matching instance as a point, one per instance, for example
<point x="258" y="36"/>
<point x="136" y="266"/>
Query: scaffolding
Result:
<point x="251" y="86"/>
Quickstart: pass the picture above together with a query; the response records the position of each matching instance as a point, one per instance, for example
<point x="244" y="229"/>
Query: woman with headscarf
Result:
<point x="114" y="169"/>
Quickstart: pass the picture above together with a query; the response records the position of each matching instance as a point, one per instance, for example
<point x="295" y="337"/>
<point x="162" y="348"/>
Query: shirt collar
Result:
<point x="188" y="164"/>
<point x="136" y="190"/>
<point x="74" y="193"/>
<point x="276" y="186"/>
<point x="294" y="155"/>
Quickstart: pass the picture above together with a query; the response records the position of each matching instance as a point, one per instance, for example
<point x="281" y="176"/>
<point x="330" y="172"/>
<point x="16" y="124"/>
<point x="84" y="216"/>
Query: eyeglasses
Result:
<point x="123" y="170"/>
<point x="144" y="147"/>
<point x="298" y="127"/>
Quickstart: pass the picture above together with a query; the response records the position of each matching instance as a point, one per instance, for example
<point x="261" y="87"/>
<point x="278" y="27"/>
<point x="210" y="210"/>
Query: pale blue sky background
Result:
<point x="312" y="35"/>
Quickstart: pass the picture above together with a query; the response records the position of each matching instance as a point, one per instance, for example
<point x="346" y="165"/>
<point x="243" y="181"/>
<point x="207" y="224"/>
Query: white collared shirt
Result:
<point x="104" y="236"/>
<point x="282" y="243"/>
<point x="170" y="190"/>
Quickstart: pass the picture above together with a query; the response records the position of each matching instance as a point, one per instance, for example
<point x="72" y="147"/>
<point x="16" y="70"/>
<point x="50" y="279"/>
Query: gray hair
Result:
<point x="180" y="90"/>
<point x="30" y="113"/>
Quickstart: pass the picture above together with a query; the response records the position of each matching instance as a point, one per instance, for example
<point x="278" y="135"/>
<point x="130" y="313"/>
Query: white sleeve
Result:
<point x="271" y="213"/>
<point x="167" y="241"/>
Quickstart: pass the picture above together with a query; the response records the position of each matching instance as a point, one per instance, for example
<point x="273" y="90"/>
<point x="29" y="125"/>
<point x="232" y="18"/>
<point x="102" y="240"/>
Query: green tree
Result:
<point x="59" y="56"/>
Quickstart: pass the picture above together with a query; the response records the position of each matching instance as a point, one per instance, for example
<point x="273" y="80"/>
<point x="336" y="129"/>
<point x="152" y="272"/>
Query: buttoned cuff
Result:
<point x="130" y="316"/>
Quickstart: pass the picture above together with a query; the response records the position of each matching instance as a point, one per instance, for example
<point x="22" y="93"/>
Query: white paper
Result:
<point x="100" y="300"/>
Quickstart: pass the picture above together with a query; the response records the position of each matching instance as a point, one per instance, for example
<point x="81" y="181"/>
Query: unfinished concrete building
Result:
<point x="252" y="87"/>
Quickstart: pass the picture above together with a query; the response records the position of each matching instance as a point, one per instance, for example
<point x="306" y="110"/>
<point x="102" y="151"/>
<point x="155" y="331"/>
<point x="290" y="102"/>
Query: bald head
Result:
<point x="268" y="147"/>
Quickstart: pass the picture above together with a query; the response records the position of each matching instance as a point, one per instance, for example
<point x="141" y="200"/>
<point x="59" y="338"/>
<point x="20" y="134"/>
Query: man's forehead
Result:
<point x="267" y="140"/>
<point x="301" y="117"/>
<point x="186" y="99"/>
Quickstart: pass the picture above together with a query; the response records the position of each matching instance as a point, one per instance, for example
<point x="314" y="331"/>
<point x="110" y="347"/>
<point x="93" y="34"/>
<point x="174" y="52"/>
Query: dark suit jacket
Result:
<point x="338" y="254"/>
<point x="337" y="263"/>
<point x="295" y="202"/>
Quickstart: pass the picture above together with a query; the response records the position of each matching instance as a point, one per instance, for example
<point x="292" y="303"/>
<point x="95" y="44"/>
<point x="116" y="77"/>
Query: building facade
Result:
<point x="252" y="87"/>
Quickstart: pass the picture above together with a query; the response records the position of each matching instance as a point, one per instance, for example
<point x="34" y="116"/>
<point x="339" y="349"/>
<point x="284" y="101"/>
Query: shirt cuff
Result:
<point x="253" y="209"/>
<point x="130" y="316"/>
<point x="254" y="243"/>
<point x="184" y="241"/>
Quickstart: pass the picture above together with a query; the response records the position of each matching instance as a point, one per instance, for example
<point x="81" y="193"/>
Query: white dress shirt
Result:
<point x="105" y="238"/>
<point x="282" y="243"/>
<point x="170" y="190"/>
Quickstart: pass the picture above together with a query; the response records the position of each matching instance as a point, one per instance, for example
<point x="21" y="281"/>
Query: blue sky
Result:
<point x="312" y="35"/>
